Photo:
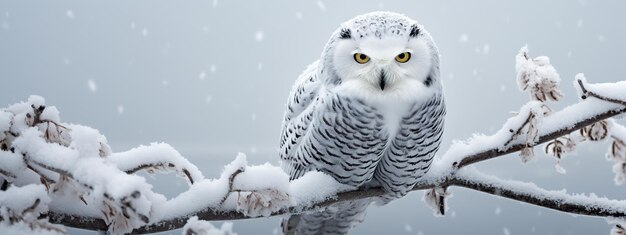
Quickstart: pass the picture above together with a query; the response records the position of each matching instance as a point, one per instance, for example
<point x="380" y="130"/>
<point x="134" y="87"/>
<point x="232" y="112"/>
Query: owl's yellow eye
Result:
<point x="403" y="57"/>
<point x="361" y="58"/>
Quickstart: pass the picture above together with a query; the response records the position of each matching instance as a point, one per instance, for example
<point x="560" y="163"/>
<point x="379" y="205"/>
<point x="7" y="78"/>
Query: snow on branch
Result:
<point x="79" y="177"/>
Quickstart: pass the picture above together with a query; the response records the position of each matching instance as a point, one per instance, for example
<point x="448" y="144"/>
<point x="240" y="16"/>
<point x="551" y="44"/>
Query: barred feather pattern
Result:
<point x="362" y="140"/>
<point x="346" y="138"/>
<point x="410" y="153"/>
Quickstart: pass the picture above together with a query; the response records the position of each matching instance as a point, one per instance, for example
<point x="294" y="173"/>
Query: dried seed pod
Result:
<point x="617" y="151"/>
<point x="435" y="199"/>
<point x="618" y="230"/>
<point x="527" y="153"/>
<point x="555" y="148"/>
<point x="597" y="131"/>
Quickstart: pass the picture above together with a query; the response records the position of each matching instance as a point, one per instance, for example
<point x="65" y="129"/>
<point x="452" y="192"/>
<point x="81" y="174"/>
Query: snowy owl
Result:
<point x="369" y="113"/>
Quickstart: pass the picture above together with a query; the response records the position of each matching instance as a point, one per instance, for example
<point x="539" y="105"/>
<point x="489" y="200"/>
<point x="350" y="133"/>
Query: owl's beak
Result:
<point x="382" y="80"/>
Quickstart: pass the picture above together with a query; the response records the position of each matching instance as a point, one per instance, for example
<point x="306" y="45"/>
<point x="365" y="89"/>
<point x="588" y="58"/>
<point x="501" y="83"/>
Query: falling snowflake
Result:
<point x="259" y="36"/>
<point x="408" y="228"/>
<point x="92" y="85"/>
<point x="321" y="5"/>
<point x="70" y="14"/>
<point x="463" y="38"/>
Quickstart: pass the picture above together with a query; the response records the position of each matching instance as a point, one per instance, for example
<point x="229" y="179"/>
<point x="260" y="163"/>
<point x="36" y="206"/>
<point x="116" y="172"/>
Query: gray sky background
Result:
<point x="211" y="78"/>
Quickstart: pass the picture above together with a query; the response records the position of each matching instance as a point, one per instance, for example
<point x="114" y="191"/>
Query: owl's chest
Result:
<point x="364" y="121"/>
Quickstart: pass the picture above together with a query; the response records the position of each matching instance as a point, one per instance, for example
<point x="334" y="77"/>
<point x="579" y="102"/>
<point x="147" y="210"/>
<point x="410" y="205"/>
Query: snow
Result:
<point x="259" y="35"/>
<point x="207" y="193"/>
<point x="554" y="121"/>
<point x="22" y="228"/>
<point x="321" y="5"/>
<point x="92" y="172"/>
<point x="5" y="122"/>
<point x="156" y="154"/>
<point x="463" y="38"/>
<point x="92" y="85"/>
<point x="200" y="227"/>
<point x="537" y="76"/>
<point x="614" y="90"/>
<point x="39" y="151"/>
<point x="20" y="208"/>
<point x="70" y="14"/>
<point x="315" y="186"/>
<point x="88" y="142"/>
<point x="19" y="199"/>
<point x="11" y="163"/>
<point x="50" y="113"/>
<point x="480" y="142"/>
<point x="589" y="201"/>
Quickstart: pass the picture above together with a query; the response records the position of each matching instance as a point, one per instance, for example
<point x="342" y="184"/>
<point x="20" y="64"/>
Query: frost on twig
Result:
<point x="154" y="158"/>
<point x="618" y="230"/>
<point x="526" y="125"/>
<point x="541" y="80"/>
<point x="72" y="162"/>
<point x="20" y="209"/>
<point x="435" y="198"/>
<point x="256" y="197"/>
<point x="537" y="76"/>
<point x="617" y="151"/>
<point x="194" y="226"/>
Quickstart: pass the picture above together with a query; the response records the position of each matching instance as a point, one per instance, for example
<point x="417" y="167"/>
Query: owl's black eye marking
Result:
<point x="345" y="34"/>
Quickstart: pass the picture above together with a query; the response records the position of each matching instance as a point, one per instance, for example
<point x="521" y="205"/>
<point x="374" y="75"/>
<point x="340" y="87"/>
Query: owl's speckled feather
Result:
<point x="366" y="124"/>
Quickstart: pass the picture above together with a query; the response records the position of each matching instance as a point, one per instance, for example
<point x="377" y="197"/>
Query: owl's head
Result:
<point x="383" y="53"/>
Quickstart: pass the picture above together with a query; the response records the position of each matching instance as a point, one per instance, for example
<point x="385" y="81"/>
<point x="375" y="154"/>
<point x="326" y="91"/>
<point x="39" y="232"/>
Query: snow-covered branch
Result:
<point x="444" y="173"/>
<point x="76" y="176"/>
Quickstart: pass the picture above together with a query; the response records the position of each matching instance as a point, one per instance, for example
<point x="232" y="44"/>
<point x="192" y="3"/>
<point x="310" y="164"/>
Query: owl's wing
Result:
<point x="410" y="153"/>
<point x="297" y="118"/>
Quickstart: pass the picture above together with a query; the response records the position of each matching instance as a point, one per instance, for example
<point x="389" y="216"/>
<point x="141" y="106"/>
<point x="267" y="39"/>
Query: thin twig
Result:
<point x="157" y="165"/>
<point x="492" y="153"/>
<point x="519" y="130"/>
<point x="557" y="202"/>
<point x="587" y="93"/>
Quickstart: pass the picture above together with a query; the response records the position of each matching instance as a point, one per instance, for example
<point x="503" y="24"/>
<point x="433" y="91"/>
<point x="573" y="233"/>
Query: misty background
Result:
<point x="211" y="78"/>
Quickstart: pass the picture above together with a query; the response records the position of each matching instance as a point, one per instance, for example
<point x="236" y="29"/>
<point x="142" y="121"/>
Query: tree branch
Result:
<point x="560" y="202"/>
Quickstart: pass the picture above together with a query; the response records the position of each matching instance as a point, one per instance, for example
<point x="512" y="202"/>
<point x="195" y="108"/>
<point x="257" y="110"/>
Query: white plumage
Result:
<point x="369" y="113"/>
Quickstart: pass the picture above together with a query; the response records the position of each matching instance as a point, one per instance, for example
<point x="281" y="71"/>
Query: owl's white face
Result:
<point x="387" y="66"/>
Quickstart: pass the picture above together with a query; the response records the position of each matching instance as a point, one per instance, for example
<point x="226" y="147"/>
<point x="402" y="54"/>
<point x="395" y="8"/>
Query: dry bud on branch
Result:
<point x="537" y="76"/>
<point x="435" y="198"/>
